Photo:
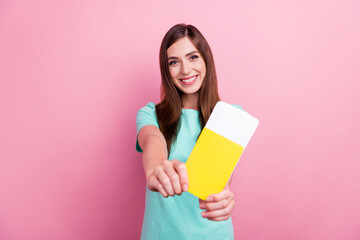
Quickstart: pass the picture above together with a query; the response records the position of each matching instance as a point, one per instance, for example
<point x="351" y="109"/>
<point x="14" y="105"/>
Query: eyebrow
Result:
<point x="185" y="55"/>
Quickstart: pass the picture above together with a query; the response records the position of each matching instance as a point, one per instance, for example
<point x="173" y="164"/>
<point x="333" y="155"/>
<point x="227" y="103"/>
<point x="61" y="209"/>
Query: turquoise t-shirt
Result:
<point x="178" y="217"/>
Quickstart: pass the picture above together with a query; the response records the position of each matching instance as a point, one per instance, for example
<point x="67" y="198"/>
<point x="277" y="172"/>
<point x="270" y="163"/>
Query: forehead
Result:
<point x="181" y="47"/>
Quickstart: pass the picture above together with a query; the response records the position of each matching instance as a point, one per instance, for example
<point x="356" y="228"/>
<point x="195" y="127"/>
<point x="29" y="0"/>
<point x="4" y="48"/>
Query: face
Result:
<point x="186" y="66"/>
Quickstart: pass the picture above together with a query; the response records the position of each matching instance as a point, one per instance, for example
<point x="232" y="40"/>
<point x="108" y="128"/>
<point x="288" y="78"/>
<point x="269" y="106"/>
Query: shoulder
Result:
<point x="149" y="107"/>
<point x="147" y="115"/>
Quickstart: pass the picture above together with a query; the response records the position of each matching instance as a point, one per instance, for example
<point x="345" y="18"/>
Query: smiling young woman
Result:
<point x="166" y="135"/>
<point x="187" y="69"/>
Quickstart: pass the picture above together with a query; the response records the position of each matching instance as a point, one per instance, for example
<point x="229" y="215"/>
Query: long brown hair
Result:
<point x="168" y="111"/>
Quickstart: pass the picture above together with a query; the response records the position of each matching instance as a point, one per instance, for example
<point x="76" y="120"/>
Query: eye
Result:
<point x="194" y="57"/>
<point x="172" y="62"/>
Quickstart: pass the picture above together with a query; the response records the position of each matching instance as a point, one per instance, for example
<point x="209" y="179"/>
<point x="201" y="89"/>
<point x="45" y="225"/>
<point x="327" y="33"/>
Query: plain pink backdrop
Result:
<point x="74" y="73"/>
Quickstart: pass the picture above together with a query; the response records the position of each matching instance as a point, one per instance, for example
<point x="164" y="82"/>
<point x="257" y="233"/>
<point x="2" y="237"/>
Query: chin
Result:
<point x="190" y="92"/>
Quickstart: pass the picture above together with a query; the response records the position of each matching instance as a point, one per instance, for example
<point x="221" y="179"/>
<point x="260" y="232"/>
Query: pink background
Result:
<point x="74" y="73"/>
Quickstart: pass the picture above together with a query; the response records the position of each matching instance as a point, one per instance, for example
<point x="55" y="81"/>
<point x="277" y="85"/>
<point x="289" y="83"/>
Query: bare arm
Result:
<point x="153" y="144"/>
<point x="166" y="177"/>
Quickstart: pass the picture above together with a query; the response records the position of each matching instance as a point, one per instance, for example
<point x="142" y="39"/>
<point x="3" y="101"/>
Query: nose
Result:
<point x="185" y="68"/>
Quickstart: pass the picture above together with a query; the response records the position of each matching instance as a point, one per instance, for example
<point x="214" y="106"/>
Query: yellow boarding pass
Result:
<point x="218" y="149"/>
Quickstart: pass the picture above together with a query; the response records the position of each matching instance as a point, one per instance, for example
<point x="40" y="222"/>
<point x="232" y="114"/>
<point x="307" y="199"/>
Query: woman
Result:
<point x="166" y="134"/>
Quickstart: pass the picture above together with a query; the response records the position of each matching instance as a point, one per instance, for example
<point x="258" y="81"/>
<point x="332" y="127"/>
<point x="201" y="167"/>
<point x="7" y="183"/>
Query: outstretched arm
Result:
<point x="153" y="143"/>
<point x="162" y="175"/>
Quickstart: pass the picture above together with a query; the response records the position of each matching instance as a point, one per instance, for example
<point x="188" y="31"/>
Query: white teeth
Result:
<point x="188" y="80"/>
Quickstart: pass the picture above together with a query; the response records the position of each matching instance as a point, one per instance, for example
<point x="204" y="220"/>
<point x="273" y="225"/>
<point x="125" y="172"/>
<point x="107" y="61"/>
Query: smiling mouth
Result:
<point x="190" y="80"/>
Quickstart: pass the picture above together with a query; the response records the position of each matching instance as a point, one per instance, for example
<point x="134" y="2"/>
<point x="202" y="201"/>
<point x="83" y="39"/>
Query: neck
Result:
<point x="190" y="101"/>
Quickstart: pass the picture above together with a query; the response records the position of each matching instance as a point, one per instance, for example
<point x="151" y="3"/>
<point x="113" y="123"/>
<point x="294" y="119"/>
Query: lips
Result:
<point x="189" y="80"/>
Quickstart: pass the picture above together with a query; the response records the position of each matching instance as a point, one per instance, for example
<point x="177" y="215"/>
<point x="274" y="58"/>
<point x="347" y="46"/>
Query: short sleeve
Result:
<point x="145" y="116"/>
<point x="238" y="106"/>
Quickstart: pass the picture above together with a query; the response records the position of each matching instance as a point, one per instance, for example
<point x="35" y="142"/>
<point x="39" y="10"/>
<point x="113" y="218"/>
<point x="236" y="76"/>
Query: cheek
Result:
<point x="202" y="67"/>
<point x="173" y="72"/>
<point x="203" y="71"/>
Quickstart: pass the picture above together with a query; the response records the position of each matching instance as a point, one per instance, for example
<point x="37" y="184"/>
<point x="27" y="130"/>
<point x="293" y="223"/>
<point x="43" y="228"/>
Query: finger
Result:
<point x="226" y="193"/>
<point x="180" y="168"/>
<point x="173" y="176"/>
<point x="220" y="212"/>
<point x="164" y="180"/>
<point x="223" y="218"/>
<point x="154" y="183"/>
<point x="201" y="203"/>
<point x="216" y="205"/>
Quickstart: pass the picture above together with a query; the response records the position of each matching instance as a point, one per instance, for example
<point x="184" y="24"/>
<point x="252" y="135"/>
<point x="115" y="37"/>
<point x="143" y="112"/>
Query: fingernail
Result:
<point x="185" y="188"/>
<point x="203" y="214"/>
<point x="202" y="205"/>
<point x="209" y="199"/>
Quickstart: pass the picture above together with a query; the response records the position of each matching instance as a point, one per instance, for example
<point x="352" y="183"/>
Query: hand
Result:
<point x="220" y="207"/>
<point x="169" y="178"/>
